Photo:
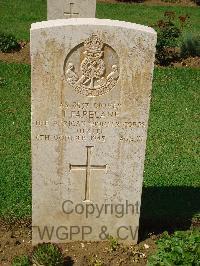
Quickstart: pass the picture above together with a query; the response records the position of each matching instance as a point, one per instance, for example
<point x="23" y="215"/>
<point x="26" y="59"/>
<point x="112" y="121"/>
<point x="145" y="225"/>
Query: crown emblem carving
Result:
<point x="93" y="44"/>
<point x="93" y="79"/>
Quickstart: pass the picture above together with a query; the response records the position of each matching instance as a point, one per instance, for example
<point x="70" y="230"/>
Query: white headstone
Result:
<point x="91" y="91"/>
<point x="60" y="9"/>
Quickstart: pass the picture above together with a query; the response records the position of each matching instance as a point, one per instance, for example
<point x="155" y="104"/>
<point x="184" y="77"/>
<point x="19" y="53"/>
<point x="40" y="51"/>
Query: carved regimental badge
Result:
<point x="92" y="68"/>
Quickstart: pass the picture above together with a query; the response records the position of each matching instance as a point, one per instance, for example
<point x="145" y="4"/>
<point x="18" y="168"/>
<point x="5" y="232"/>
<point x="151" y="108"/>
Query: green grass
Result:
<point x="147" y="15"/>
<point x="172" y="154"/>
<point x="15" y="177"/>
<point x="17" y="16"/>
<point x="171" y="186"/>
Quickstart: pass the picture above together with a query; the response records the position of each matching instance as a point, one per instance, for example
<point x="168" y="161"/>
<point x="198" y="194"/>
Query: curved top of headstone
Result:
<point x="91" y="21"/>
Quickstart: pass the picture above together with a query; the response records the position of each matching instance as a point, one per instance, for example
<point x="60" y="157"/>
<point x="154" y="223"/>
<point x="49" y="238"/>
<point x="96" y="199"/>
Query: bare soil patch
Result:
<point x="15" y="240"/>
<point x="188" y="62"/>
<point x="21" y="57"/>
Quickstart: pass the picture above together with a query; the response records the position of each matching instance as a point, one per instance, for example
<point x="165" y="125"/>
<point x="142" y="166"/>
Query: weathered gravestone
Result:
<point x="91" y="89"/>
<point x="60" y="9"/>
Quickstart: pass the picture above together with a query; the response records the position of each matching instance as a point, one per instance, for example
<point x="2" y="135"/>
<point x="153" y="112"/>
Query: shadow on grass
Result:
<point x="168" y="208"/>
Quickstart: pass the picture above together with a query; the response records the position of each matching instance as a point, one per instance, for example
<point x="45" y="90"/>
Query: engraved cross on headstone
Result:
<point x="87" y="167"/>
<point x="71" y="13"/>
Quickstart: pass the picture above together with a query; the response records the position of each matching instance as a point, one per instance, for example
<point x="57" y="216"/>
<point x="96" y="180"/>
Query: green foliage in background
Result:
<point x="182" y="248"/>
<point x="21" y="261"/>
<point x="169" y="31"/>
<point x="190" y="46"/>
<point x="8" y="43"/>
<point x="47" y="254"/>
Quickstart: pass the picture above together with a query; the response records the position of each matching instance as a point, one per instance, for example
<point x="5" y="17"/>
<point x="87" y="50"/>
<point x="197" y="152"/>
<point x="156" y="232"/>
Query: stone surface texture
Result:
<point x="64" y="9"/>
<point x="91" y="91"/>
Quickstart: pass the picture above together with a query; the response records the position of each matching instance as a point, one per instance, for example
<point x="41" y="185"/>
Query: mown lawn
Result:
<point x="15" y="174"/>
<point x="171" y="186"/>
<point x="16" y="16"/>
